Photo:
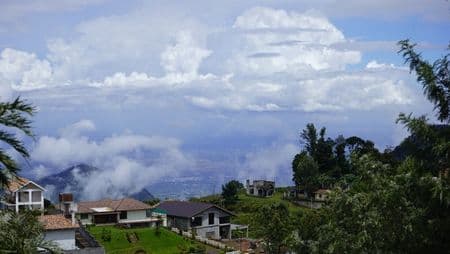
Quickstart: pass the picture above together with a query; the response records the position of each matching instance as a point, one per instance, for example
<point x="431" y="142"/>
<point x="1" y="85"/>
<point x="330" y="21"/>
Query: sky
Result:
<point x="148" y="90"/>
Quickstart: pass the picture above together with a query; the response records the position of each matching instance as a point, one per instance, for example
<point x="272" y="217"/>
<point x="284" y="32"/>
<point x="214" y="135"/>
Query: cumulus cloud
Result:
<point x="23" y="71"/>
<point x="271" y="163"/>
<point x="288" y="42"/>
<point x="278" y="60"/>
<point x="128" y="162"/>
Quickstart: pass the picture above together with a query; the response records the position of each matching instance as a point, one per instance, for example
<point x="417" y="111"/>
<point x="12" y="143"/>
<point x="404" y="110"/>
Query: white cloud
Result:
<point x="283" y="61"/>
<point x="24" y="71"/>
<point x="269" y="163"/>
<point x="276" y="41"/>
<point x="12" y="10"/>
<point x="128" y="162"/>
<point x="182" y="60"/>
<point x="375" y="65"/>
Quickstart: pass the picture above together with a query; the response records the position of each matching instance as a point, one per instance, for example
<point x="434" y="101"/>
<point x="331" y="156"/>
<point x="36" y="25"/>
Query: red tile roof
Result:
<point x="17" y="183"/>
<point x="125" y="204"/>
<point x="57" y="222"/>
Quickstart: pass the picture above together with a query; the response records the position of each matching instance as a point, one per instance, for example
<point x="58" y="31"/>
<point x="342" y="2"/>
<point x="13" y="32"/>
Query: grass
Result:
<point x="247" y="206"/>
<point x="166" y="243"/>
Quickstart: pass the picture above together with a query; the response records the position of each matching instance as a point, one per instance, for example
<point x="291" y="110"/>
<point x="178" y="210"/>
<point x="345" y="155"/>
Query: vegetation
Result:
<point x="166" y="242"/>
<point x="13" y="115"/>
<point x="23" y="234"/>
<point x="398" y="201"/>
<point x="276" y="232"/>
<point x="20" y="233"/>
<point x="230" y="192"/>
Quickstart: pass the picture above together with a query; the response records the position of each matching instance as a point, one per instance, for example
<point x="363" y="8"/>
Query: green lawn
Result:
<point x="166" y="243"/>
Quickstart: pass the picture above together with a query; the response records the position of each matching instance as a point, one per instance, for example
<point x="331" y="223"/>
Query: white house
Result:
<point x="207" y="220"/>
<point x="321" y="194"/>
<point x="22" y="193"/>
<point x="125" y="211"/>
<point x="60" y="230"/>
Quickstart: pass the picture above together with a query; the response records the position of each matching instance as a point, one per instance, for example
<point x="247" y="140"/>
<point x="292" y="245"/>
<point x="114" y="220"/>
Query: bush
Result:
<point x="106" y="235"/>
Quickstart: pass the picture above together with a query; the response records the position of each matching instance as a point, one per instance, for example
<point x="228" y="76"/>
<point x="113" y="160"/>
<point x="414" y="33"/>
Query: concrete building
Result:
<point x="205" y="220"/>
<point x="260" y="188"/>
<point x="321" y="194"/>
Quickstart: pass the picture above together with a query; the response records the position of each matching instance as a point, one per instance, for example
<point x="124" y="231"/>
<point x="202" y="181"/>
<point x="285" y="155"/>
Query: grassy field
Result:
<point x="166" y="243"/>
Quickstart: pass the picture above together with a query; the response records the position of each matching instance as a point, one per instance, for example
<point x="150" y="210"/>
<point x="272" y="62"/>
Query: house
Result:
<point x="260" y="188"/>
<point x="321" y="194"/>
<point x="60" y="230"/>
<point x="206" y="220"/>
<point x="21" y="194"/>
<point x="125" y="211"/>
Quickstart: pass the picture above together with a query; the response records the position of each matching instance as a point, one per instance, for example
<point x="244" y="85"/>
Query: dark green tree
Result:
<point x="435" y="78"/>
<point x="23" y="234"/>
<point x="13" y="115"/>
<point x="230" y="192"/>
<point x="309" y="138"/>
<point x="324" y="154"/>
<point x="274" y="226"/>
<point x="305" y="172"/>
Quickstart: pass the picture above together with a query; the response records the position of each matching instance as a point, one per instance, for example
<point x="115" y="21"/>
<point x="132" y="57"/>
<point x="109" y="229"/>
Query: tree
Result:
<point x="230" y="192"/>
<point x="305" y="171"/>
<point x="13" y="115"/>
<point x="22" y="234"/>
<point x="386" y="211"/>
<point x="393" y="207"/>
<point x="274" y="226"/>
<point x="435" y="78"/>
<point x="309" y="137"/>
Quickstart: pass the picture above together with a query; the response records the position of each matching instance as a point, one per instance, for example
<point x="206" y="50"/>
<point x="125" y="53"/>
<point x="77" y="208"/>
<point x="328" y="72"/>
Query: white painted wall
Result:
<point x="206" y="230"/>
<point x="87" y="221"/>
<point x="135" y="215"/>
<point x="65" y="239"/>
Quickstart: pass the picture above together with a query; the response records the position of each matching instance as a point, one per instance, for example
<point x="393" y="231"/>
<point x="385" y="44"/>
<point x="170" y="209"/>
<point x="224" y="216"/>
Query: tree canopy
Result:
<point x="13" y="115"/>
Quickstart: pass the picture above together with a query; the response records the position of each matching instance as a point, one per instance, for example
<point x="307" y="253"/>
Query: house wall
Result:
<point x="207" y="230"/>
<point x="321" y="197"/>
<point x="87" y="221"/>
<point x="29" y="198"/>
<point x="177" y="222"/>
<point x="135" y="215"/>
<point x="163" y="217"/>
<point x="65" y="239"/>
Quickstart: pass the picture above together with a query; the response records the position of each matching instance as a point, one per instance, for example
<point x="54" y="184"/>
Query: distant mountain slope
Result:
<point x="68" y="181"/>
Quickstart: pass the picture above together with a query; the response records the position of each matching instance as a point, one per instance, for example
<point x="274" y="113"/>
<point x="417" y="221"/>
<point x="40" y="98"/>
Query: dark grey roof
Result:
<point x="186" y="209"/>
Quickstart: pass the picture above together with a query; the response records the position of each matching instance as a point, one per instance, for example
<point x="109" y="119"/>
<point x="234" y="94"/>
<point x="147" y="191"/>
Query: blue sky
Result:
<point x="162" y="85"/>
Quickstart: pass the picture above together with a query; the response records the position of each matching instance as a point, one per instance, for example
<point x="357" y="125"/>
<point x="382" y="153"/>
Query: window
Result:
<point x="123" y="215"/>
<point x="211" y="218"/>
<point x="23" y="196"/>
<point x="84" y="216"/>
<point x="36" y="196"/>
<point x="197" y="221"/>
<point x="149" y="213"/>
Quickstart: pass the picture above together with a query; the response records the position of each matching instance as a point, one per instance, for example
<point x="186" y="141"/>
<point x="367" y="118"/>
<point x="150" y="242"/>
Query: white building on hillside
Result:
<point x="22" y="194"/>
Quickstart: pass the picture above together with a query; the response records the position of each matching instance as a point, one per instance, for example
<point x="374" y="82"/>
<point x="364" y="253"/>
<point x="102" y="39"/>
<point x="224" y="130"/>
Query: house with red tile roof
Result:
<point x="60" y="230"/>
<point x="21" y="194"/>
<point x="125" y="211"/>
